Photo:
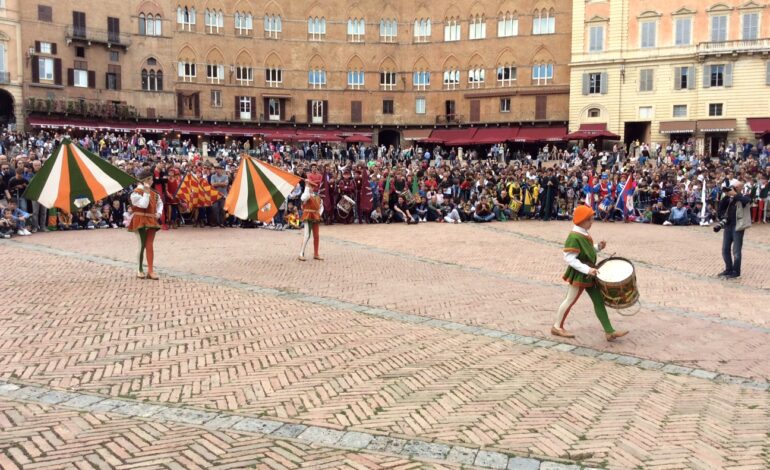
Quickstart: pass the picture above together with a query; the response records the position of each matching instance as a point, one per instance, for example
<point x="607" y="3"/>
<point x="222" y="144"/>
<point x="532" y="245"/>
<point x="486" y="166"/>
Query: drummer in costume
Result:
<point x="147" y="208"/>
<point x="312" y="210"/>
<point x="346" y="187"/>
<point x="580" y="255"/>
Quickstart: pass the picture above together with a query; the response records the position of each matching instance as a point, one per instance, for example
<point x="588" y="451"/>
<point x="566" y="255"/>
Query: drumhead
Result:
<point x="615" y="270"/>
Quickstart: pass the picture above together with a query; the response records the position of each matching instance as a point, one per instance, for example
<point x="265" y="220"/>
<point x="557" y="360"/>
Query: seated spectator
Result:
<point x="19" y="218"/>
<point x="483" y="211"/>
<point x="376" y="216"/>
<point x="66" y="221"/>
<point x="660" y="213"/>
<point x="292" y="218"/>
<point x="95" y="218"/>
<point x="679" y="215"/>
<point x="7" y="224"/>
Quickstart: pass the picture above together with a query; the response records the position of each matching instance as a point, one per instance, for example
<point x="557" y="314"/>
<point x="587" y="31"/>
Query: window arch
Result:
<point x="594" y="112"/>
<point x="244" y="23"/>
<point x="152" y="76"/>
<point x="422" y="30"/>
<point x="388" y="30"/>
<point x="507" y="24"/>
<point x="451" y="29"/>
<point x="214" y="21"/>
<point x="477" y="27"/>
<point x="185" y="18"/>
<point x="356" y="29"/>
<point x="544" y="22"/>
<point x="150" y="25"/>
<point x="273" y="25"/>
<point x="316" y="28"/>
<point x="542" y="73"/>
<point x="451" y="78"/>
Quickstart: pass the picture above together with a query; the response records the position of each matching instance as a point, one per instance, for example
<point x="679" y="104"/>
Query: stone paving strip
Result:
<point x="646" y="264"/>
<point x="553" y="285"/>
<point x="314" y="435"/>
<point x="622" y="359"/>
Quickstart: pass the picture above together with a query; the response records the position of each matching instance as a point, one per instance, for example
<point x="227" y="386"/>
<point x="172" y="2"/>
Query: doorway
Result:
<point x="639" y="130"/>
<point x="389" y="137"/>
<point x="715" y="141"/>
<point x="7" y="115"/>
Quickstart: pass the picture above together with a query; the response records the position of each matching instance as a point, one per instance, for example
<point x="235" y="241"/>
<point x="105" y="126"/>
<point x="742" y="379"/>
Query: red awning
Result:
<point x="759" y="125"/>
<point x="450" y="136"/>
<point x="63" y="123"/>
<point x="495" y="135"/>
<point x="318" y="135"/>
<point x="592" y="131"/>
<point x="541" y="134"/>
<point x="284" y="135"/>
<point x="359" y="138"/>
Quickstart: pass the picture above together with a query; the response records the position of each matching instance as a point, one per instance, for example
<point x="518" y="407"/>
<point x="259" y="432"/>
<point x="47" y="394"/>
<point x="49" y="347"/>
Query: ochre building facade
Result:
<point x="12" y="58"/>
<point x="382" y="65"/>
<point x="658" y="71"/>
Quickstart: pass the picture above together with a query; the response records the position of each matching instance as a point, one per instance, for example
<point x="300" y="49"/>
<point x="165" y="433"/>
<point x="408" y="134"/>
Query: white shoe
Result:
<point x="667" y="223"/>
<point x="27" y="232"/>
<point x="91" y="227"/>
<point x="20" y="232"/>
<point x="7" y="235"/>
<point x="114" y="226"/>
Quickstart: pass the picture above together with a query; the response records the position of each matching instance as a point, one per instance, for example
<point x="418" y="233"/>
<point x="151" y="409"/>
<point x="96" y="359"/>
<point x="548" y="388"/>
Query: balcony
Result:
<point x="97" y="36"/>
<point x="749" y="46"/>
<point x="449" y="119"/>
<point x="5" y="78"/>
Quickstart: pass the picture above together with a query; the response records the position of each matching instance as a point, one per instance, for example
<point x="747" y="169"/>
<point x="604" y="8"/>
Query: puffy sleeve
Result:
<point x="159" y="208"/>
<point x="140" y="200"/>
<point x="306" y="194"/>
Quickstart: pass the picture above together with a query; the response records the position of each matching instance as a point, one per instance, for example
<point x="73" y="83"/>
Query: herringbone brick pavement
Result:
<point x="92" y="327"/>
<point x="481" y="275"/>
<point x="34" y="436"/>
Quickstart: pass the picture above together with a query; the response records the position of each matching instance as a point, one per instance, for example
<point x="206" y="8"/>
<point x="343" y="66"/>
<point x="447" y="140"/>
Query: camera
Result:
<point x="720" y="225"/>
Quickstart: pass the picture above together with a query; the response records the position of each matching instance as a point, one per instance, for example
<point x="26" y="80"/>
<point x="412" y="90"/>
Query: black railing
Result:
<point x="102" y="36"/>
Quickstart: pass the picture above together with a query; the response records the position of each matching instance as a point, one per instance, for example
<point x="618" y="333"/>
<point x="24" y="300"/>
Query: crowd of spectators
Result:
<point x="665" y="185"/>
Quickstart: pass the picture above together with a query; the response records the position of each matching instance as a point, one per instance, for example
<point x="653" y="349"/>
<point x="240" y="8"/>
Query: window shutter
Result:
<point x="36" y="70"/>
<point x="179" y="104"/>
<point x="197" y="104"/>
<point x="326" y="111"/>
<point x="585" y="83"/>
<point x="56" y="71"/>
<point x="691" y="78"/>
<point x="541" y="106"/>
<point x="706" y="76"/>
<point x="237" y="114"/>
<point x="70" y="77"/>
<point x="767" y="74"/>
<point x="603" y="84"/>
<point x="475" y="113"/>
<point x="37" y="46"/>
<point x="729" y="75"/>
<point x="253" y="108"/>
<point x="678" y="78"/>
<point x="309" y="111"/>
<point x="356" y="111"/>
<point x="91" y="79"/>
<point x="53" y="48"/>
<point x="118" y="81"/>
<point x="266" y="109"/>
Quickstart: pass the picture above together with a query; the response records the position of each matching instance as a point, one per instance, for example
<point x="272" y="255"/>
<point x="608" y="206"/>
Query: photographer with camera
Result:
<point x="734" y="215"/>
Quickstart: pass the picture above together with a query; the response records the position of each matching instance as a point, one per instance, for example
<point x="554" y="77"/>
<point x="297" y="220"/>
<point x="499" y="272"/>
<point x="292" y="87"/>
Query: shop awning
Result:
<point x="452" y="135"/>
<point x="417" y="134"/>
<point x="541" y="134"/>
<point x="468" y="139"/>
<point x="717" y="125"/>
<point x="358" y="138"/>
<point x="204" y="129"/>
<point x="318" y="135"/>
<point x="495" y="135"/>
<point x="759" y="125"/>
<point x="62" y="123"/>
<point x="283" y="135"/>
<point x="677" y="127"/>
<point x="592" y="131"/>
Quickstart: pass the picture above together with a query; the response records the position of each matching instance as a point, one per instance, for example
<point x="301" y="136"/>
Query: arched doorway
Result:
<point x="389" y="137"/>
<point x="7" y="115"/>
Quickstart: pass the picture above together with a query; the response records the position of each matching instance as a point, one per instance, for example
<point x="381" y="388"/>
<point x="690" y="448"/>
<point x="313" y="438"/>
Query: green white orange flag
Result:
<point x="73" y="177"/>
<point x="258" y="190"/>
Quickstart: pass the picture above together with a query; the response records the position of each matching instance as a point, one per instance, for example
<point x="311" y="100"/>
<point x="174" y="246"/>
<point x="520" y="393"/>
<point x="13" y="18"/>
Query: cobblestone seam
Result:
<point x="316" y="435"/>
<point x="560" y="285"/>
<point x="625" y="360"/>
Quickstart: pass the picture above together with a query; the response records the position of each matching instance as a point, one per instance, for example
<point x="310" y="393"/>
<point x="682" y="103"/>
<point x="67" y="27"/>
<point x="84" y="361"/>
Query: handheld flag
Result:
<point x="196" y="192"/>
<point x="258" y="190"/>
<point x="73" y="177"/>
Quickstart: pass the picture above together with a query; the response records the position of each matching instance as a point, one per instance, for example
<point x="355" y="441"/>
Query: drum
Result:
<point x="617" y="282"/>
<point x="345" y="205"/>
<point x="515" y="206"/>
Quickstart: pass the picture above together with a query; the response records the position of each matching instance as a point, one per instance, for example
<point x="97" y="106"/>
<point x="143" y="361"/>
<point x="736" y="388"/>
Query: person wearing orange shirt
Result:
<point x="146" y="208"/>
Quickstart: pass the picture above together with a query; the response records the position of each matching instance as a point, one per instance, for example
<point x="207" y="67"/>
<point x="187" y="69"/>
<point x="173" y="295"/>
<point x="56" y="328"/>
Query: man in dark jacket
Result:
<point x="736" y="211"/>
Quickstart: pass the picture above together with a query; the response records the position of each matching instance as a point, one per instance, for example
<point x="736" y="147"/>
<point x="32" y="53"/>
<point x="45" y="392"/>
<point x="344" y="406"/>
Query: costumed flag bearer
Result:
<point x="312" y="210"/>
<point x="580" y="255"/>
<point x="147" y="208"/>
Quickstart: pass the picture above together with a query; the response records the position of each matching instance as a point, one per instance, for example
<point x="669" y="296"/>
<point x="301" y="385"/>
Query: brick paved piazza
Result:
<point x="409" y="347"/>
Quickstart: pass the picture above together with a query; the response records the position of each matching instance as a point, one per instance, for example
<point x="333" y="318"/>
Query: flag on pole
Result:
<point x="73" y="177"/>
<point x="196" y="192"/>
<point x="628" y="188"/>
<point x="258" y="190"/>
<point x="590" y="191"/>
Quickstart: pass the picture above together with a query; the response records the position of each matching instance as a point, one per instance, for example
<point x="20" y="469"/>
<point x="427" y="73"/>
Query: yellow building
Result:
<point x="11" y="65"/>
<point x="658" y="71"/>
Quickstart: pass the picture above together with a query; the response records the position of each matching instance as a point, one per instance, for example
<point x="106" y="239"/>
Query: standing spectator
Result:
<point x="220" y="182"/>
